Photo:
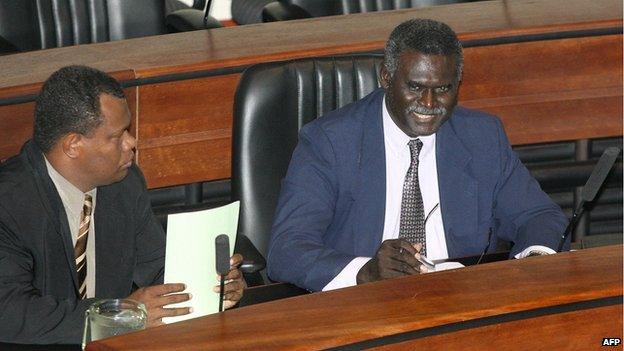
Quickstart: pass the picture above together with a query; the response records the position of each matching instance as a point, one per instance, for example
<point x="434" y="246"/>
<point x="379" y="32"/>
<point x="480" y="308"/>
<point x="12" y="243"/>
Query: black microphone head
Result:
<point x="222" y="253"/>
<point x="599" y="174"/>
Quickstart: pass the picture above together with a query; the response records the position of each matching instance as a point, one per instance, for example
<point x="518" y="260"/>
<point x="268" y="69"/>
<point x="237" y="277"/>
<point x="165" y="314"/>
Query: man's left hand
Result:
<point x="234" y="283"/>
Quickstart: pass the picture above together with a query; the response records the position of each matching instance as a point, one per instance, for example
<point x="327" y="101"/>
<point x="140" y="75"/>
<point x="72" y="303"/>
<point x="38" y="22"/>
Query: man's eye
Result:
<point x="414" y="87"/>
<point x="444" y="89"/>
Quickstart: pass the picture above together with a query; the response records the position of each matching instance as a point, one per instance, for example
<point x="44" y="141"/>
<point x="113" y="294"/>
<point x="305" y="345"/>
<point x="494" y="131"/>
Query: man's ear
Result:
<point x="71" y="144"/>
<point x="384" y="77"/>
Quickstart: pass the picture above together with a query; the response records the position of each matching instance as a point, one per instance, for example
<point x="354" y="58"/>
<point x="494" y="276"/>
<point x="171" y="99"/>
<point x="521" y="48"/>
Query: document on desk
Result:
<point x="444" y="266"/>
<point x="190" y="256"/>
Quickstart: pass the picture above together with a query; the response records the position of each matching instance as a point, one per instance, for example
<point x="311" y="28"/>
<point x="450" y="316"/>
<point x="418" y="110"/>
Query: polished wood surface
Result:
<point x="576" y="330"/>
<point x="511" y="297"/>
<point x="552" y="70"/>
<point x="244" y="45"/>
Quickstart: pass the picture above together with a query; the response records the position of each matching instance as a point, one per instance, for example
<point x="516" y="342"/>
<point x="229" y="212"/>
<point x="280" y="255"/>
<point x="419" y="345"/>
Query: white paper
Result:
<point x="190" y="255"/>
<point x="542" y="250"/>
<point x="443" y="266"/>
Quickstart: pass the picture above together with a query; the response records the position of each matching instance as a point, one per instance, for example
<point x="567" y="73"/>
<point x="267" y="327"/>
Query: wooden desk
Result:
<point x="552" y="70"/>
<point x="568" y="301"/>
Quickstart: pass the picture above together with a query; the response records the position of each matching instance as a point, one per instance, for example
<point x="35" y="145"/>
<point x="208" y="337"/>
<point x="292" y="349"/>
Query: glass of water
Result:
<point x="110" y="317"/>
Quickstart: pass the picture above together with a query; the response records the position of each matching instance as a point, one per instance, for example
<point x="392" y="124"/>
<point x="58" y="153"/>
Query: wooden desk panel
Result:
<point x="16" y="126"/>
<point x="185" y="132"/>
<point x="550" y="69"/>
<point x="413" y="304"/>
<point x="243" y="45"/>
<point x="577" y="330"/>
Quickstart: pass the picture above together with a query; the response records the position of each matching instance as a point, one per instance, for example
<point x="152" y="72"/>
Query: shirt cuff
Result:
<point x="347" y="277"/>
<point x="535" y="249"/>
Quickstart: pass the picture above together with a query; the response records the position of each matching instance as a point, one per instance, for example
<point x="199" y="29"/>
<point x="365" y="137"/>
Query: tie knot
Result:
<point x="88" y="204"/>
<point x="415" y="145"/>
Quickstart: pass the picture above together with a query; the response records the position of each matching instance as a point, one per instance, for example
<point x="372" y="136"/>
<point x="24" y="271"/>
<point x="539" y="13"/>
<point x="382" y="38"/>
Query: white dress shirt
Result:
<point x="398" y="159"/>
<point x="73" y="201"/>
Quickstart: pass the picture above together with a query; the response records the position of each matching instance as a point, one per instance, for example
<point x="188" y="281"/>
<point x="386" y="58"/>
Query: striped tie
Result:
<point x="80" y="250"/>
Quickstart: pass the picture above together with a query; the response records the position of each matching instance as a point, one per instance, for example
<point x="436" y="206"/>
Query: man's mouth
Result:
<point x="424" y="118"/>
<point x="425" y="115"/>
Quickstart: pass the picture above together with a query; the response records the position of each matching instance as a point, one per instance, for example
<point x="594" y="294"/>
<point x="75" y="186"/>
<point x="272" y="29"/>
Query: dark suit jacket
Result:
<point x="332" y="203"/>
<point x="38" y="283"/>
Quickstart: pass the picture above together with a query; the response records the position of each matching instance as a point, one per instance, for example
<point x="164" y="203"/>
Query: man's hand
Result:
<point x="395" y="258"/>
<point x="234" y="283"/>
<point x="157" y="296"/>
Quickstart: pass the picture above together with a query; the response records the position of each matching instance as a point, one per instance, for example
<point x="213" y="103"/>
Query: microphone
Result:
<point x="222" y="261"/>
<point x="590" y="189"/>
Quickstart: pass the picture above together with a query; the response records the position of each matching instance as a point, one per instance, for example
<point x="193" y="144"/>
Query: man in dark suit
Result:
<point x="76" y="223"/>
<point x="403" y="173"/>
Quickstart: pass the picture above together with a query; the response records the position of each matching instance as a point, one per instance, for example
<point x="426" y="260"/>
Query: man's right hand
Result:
<point x="395" y="258"/>
<point x="156" y="297"/>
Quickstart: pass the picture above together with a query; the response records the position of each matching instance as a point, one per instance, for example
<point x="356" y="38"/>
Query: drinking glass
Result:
<point x="110" y="317"/>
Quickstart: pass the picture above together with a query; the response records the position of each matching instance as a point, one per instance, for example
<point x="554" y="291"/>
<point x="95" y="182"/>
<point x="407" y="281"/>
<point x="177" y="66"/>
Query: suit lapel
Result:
<point x="458" y="188"/>
<point x="110" y="241"/>
<point x="371" y="175"/>
<point x="53" y="205"/>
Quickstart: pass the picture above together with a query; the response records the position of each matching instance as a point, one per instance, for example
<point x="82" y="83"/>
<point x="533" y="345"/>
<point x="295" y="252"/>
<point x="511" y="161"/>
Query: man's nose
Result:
<point x="427" y="99"/>
<point x="130" y="141"/>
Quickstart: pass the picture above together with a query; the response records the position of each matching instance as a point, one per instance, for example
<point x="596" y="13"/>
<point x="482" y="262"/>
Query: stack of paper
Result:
<point x="190" y="257"/>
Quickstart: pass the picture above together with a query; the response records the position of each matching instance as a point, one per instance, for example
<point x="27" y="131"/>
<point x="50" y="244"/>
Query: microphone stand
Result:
<point x="590" y="189"/>
<point x="576" y="215"/>
<point x="487" y="247"/>
<point x="207" y="13"/>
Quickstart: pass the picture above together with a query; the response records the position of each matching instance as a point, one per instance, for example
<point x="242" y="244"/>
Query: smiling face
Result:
<point x="107" y="152"/>
<point x="422" y="93"/>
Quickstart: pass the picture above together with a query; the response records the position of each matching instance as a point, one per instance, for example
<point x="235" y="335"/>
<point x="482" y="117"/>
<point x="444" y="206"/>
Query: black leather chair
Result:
<point x="283" y="10"/>
<point x="273" y="101"/>
<point x="248" y="11"/>
<point x="27" y="25"/>
<point x="357" y="6"/>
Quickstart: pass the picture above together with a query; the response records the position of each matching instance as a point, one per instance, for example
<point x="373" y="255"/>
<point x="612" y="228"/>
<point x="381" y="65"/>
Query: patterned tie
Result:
<point x="412" y="225"/>
<point x="80" y="250"/>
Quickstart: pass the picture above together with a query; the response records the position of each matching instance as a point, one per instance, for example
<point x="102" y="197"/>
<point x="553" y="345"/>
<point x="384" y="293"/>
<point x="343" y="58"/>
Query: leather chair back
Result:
<point x="273" y="101"/>
<point x="42" y="24"/>
<point x="357" y="6"/>
<point x="248" y="11"/>
<point x="319" y="8"/>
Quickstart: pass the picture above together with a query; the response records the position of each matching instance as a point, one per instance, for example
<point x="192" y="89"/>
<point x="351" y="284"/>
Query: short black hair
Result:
<point x="69" y="102"/>
<point x="426" y="36"/>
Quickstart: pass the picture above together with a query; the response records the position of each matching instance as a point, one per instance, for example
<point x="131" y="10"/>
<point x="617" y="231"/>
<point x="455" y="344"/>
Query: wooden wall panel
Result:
<point x="16" y="127"/>
<point x="186" y="163"/>
<point x="548" y="90"/>
<point x="184" y="134"/>
<point x="561" y="120"/>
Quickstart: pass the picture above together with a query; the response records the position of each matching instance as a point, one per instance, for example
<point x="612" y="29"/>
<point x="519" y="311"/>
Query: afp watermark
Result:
<point x="611" y="341"/>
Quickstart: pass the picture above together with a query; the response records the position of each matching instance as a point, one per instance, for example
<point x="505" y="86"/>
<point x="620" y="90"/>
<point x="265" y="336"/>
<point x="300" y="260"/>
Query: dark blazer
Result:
<point x="332" y="203"/>
<point x="38" y="283"/>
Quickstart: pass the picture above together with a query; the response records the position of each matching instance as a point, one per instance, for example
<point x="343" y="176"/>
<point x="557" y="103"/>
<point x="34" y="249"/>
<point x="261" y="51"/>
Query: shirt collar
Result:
<point x="72" y="197"/>
<point x="396" y="139"/>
